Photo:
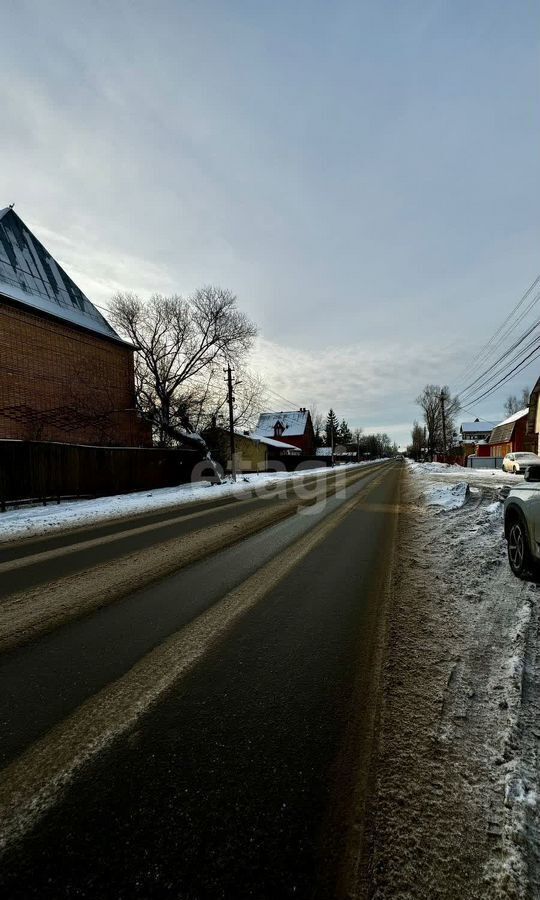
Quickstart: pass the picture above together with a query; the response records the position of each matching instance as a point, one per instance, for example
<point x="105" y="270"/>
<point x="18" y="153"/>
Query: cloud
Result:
<point x="349" y="182"/>
<point x="371" y="385"/>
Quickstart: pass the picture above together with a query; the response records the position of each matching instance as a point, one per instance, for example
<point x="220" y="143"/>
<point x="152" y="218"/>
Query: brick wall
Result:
<point x="60" y="383"/>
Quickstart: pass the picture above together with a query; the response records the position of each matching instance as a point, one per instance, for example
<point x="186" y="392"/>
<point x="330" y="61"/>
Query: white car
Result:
<point x="518" y="462"/>
<point x="522" y="524"/>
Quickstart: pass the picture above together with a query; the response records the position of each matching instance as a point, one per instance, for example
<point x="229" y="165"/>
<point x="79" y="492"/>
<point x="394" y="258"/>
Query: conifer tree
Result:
<point x="331" y="428"/>
<point x="344" y="435"/>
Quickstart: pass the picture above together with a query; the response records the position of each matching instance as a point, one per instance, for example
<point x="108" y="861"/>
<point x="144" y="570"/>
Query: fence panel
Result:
<point x="485" y="462"/>
<point x="36" y="470"/>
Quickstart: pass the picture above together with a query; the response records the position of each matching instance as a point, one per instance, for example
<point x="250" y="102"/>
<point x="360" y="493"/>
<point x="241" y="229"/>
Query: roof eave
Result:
<point x="19" y="302"/>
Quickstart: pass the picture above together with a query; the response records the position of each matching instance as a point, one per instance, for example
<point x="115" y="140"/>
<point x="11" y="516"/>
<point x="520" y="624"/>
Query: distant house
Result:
<point x="291" y="427"/>
<point x="339" y="450"/>
<point x="65" y="374"/>
<point x="509" y="436"/>
<point x="253" y="452"/>
<point x="472" y="432"/>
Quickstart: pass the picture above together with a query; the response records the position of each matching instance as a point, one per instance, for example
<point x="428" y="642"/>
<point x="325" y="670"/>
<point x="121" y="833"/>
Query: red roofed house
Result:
<point x="65" y="374"/>
<point x="294" y="427"/>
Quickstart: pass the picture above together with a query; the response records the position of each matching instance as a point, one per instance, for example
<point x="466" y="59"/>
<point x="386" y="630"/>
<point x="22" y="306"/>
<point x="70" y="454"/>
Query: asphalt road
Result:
<point x="207" y="736"/>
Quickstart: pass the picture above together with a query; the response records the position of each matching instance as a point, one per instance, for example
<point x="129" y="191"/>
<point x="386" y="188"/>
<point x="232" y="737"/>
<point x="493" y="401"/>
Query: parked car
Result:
<point x="518" y="462"/>
<point x="522" y="523"/>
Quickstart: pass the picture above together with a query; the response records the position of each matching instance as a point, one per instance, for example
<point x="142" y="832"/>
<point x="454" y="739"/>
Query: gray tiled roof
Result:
<point x="30" y="275"/>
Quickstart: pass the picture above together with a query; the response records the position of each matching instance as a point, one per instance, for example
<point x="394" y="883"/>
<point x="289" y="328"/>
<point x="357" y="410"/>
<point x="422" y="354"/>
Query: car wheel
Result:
<point x="519" y="555"/>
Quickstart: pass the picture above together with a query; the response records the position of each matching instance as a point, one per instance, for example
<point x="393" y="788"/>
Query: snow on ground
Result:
<point x="448" y="496"/>
<point x="458" y="774"/>
<point x="460" y="473"/>
<point x="29" y="522"/>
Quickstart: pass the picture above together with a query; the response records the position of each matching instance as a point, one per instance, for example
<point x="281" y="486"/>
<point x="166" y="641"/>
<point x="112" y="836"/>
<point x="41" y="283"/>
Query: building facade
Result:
<point x="532" y="432"/>
<point x="65" y="374"/>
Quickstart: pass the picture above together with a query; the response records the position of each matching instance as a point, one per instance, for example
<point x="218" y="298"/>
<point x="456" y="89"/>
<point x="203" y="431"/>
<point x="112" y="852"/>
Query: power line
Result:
<point x="524" y="364"/>
<point x="280" y="397"/>
<point x="496" y="368"/>
<point x="502" y="331"/>
<point x="469" y="410"/>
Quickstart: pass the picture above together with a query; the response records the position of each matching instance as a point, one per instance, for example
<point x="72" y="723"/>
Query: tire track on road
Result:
<point x="33" y="782"/>
<point x="28" y="614"/>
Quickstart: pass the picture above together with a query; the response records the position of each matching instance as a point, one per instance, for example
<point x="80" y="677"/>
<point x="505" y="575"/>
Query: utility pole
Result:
<point x="231" y="422"/>
<point x="443" y="398"/>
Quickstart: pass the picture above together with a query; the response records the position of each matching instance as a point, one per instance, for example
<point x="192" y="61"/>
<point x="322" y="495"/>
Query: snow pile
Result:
<point x="448" y="496"/>
<point x="459" y="736"/>
<point x="433" y="467"/>
<point x="452" y="473"/>
<point x="30" y="522"/>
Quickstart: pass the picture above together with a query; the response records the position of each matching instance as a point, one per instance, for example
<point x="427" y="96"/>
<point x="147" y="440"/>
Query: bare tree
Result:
<point x="180" y="343"/>
<point x="317" y="419"/>
<point x="514" y="404"/>
<point x="430" y="403"/>
<point x="418" y="441"/>
<point x="211" y="406"/>
<point x="376" y="445"/>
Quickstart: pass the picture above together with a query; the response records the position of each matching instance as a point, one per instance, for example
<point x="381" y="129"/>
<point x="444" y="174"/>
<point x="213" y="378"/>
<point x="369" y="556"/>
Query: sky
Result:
<point x="363" y="175"/>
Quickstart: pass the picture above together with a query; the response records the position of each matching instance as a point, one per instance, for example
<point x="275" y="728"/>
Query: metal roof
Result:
<point x="271" y="442"/>
<point x="30" y="275"/>
<point x="477" y="427"/>
<point x="294" y="423"/>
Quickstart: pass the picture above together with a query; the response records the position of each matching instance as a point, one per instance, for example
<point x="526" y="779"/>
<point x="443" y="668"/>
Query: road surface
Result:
<point x="204" y="732"/>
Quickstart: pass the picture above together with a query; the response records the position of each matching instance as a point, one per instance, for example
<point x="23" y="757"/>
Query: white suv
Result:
<point x="522" y="523"/>
<point x="518" y="462"/>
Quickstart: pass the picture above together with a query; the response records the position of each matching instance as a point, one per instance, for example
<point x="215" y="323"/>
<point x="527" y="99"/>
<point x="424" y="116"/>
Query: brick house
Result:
<point x="292" y="427"/>
<point x="65" y="374"/>
<point x="509" y="436"/>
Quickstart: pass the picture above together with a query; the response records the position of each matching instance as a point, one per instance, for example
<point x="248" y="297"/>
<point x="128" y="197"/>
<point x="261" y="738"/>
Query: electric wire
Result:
<point x="503" y="332"/>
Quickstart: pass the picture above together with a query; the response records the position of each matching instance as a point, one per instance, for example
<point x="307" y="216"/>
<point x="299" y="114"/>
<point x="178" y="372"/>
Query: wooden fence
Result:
<point x="35" y="470"/>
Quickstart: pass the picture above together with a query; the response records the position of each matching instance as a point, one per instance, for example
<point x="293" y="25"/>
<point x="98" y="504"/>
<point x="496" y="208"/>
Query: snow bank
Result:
<point x="31" y="522"/>
<point x="448" y="496"/>
<point x="446" y="472"/>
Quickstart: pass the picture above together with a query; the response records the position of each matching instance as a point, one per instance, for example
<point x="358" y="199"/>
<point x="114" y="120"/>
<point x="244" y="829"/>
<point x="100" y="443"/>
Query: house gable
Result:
<point x="29" y="275"/>
<point x="291" y="426"/>
<point x="504" y="432"/>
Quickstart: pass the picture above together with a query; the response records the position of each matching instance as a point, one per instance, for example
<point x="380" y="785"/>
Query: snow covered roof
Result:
<point x="504" y="430"/>
<point x="294" y="422"/>
<point x="270" y="442"/>
<point x="477" y="427"/>
<point x="515" y="417"/>
<point x="323" y="451"/>
<point x="30" y="275"/>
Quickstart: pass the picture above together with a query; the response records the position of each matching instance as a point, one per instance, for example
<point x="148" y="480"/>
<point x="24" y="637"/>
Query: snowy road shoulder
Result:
<point x="38" y="521"/>
<point x="462" y="699"/>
